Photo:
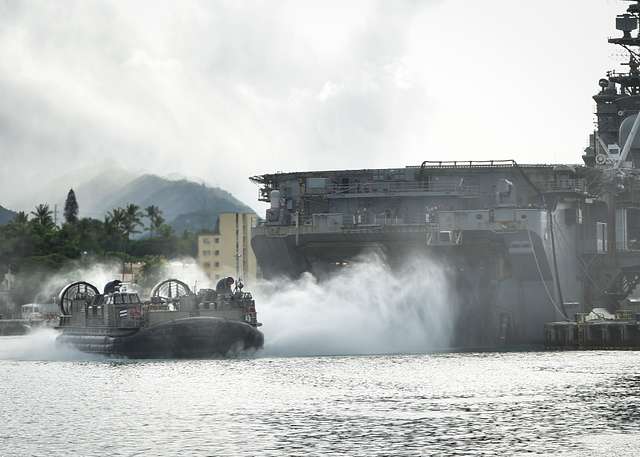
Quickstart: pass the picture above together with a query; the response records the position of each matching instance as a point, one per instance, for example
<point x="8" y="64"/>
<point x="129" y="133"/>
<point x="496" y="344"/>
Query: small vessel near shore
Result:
<point x="34" y="316"/>
<point x="174" y="323"/>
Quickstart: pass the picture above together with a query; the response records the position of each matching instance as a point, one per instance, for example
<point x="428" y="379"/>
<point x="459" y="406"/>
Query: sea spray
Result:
<point x="40" y="345"/>
<point x="365" y="308"/>
<point x="189" y="272"/>
<point x="99" y="274"/>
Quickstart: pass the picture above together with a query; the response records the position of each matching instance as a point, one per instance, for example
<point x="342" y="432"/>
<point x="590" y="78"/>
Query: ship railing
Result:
<point x="468" y="164"/>
<point x="564" y="185"/>
<point x="389" y="228"/>
<point x="383" y="187"/>
<point x="492" y="226"/>
<point x="479" y="164"/>
<point x="391" y="225"/>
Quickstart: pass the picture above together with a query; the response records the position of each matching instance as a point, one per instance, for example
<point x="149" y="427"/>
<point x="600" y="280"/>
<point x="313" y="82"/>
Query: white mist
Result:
<point x="365" y="308"/>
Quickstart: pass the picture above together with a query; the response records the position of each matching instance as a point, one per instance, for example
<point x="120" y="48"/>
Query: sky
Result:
<point x="222" y="90"/>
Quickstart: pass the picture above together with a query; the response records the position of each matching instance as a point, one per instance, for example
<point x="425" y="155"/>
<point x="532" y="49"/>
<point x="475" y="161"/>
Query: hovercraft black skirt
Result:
<point x="192" y="337"/>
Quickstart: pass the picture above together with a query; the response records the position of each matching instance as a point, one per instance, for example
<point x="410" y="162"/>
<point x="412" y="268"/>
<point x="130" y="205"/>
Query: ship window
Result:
<point x="478" y="216"/>
<point x="524" y="216"/>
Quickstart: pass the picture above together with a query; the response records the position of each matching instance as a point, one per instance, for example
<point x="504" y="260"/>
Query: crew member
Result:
<point x="113" y="286"/>
<point x="224" y="285"/>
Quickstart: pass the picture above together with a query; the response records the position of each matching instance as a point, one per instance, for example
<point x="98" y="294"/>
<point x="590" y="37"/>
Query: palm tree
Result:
<point x="42" y="215"/>
<point x="155" y="219"/>
<point x="21" y="218"/>
<point x="132" y="220"/>
<point x="114" y="221"/>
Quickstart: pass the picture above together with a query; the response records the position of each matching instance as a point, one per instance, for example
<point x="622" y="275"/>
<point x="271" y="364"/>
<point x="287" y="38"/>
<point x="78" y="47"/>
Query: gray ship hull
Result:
<point x="492" y="309"/>
<point x="193" y="337"/>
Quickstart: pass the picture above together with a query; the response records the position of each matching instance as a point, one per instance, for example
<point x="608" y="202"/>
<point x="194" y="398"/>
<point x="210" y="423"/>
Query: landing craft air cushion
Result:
<point x="174" y="323"/>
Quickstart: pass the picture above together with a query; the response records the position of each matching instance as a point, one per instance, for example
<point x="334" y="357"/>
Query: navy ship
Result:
<point x="173" y="323"/>
<point x="526" y="244"/>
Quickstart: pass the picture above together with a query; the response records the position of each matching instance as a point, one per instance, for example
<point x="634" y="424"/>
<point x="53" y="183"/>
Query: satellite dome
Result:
<point x="625" y="129"/>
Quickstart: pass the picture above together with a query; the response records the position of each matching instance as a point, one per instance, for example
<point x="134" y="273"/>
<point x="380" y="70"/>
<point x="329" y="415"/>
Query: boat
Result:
<point x="174" y="323"/>
<point x="522" y="244"/>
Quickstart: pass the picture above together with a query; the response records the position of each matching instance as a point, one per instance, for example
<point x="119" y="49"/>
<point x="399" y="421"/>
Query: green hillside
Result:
<point x="184" y="204"/>
<point x="6" y="215"/>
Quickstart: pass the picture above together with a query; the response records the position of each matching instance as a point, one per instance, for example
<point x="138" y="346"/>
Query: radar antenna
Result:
<point x="614" y="143"/>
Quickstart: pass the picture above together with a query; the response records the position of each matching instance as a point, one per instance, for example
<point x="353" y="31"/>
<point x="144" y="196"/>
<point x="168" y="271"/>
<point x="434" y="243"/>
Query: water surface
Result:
<point x="574" y="403"/>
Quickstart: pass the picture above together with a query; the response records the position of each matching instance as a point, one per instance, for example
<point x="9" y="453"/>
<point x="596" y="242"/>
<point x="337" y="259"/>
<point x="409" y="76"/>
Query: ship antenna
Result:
<point x="629" y="82"/>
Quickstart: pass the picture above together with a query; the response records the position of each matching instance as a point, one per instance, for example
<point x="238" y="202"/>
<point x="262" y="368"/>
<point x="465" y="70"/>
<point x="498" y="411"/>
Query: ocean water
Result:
<point x="61" y="403"/>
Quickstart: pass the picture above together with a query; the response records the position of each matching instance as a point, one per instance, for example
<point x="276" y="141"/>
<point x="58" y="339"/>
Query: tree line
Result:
<point x="33" y="242"/>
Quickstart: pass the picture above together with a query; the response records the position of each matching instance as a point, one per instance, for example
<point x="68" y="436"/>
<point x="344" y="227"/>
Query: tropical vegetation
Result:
<point x="33" y="246"/>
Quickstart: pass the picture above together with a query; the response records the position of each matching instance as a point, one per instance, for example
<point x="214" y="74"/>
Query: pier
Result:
<point x="613" y="332"/>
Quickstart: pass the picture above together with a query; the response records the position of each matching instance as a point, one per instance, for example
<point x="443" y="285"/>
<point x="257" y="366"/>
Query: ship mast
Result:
<point x="628" y="23"/>
<point x="615" y="142"/>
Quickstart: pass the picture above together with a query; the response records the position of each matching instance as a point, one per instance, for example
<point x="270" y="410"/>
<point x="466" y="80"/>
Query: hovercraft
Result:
<point x="174" y="323"/>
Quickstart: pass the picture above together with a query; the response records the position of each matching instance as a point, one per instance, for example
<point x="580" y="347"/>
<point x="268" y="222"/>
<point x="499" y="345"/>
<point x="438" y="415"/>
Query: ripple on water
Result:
<point x="440" y="404"/>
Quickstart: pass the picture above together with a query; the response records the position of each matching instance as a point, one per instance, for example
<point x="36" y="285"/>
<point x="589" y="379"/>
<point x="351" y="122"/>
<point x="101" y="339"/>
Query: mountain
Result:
<point x="91" y="185"/>
<point x="6" y="215"/>
<point x="185" y="205"/>
<point x="94" y="191"/>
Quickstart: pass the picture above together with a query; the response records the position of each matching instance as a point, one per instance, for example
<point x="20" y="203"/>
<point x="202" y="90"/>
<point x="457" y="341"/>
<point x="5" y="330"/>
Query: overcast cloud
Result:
<point x="224" y="90"/>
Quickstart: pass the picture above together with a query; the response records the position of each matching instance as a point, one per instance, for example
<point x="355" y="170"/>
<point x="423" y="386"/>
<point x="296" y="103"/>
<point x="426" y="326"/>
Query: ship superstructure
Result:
<point x="525" y="244"/>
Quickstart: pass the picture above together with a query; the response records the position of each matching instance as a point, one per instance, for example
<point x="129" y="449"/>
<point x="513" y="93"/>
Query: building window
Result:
<point x="207" y="264"/>
<point x="217" y="264"/>
<point x="217" y="276"/>
<point x="217" y="252"/>
<point x="216" y="240"/>
<point x="206" y="253"/>
<point x="206" y="240"/>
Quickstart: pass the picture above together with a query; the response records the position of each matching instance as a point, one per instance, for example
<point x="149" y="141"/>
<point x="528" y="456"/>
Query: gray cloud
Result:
<point x="220" y="90"/>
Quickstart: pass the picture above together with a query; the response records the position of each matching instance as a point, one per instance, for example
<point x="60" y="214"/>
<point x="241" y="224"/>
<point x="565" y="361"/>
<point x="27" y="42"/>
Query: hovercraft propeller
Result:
<point x="80" y="290"/>
<point x="169" y="290"/>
